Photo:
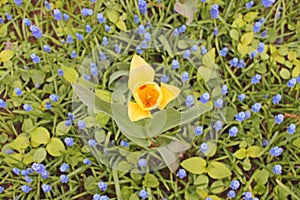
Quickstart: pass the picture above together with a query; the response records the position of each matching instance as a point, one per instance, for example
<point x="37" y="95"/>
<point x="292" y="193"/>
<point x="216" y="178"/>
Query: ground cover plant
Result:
<point x="149" y="99"/>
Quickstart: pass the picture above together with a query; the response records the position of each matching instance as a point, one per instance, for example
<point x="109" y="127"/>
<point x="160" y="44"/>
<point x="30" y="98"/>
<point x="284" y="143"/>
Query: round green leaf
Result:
<point x="234" y="34"/>
<point x="218" y="170"/>
<point x="217" y="187"/>
<point x="121" y="25"/>
<point x="240" y="154"/>
<point x="201" y="182"/>
<point x="195" y="165"/>
<point x="285" y="73"/>
<point x="55" y="147"/>
<point x="254" y="151"/>
<point x="150" y="181"/>
<point x="40" y="135"/>
<point x="20" y="143"/>
<point x="6" y="55"/>
<point x="62" y="129"/>
<point x="112" y="16"/>
<point x="247" y="38"/>
<point x="70" y="74"/>
<point x="39" y="155"/>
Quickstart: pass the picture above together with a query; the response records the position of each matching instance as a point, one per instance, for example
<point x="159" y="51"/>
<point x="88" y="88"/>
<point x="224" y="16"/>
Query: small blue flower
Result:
<point x="249" y="4"/>
<point x="185" y="76"/>
<point x="252" y="55"/>
<point x="292" y="82"/>
<point x="48" y="105"/>
<point x="241" y="64"/>
<point x="54" y="97"/>
<point x="194" y="48"/>
<point x="141" y="29"/>
<point x="104" y="41"/>
<point x="8" y="16"/>
<point x="38" y="168"/>
<point x="176" y="32"/>
<point x="187" y="54"/>
<point x="36" y="32"/>
<point x="267" y="3"/>
<point x="96" y="197"/>
<point x="204" y="98"/>
<point x="208" y="198"/>
<point x="263" y="34"/>
<point x="277" y="169"/>
<point x="25" y="188"/>
<point x="198" y="130"/>
<point x="261" y="47"/>
<point x="124" y="143"/>
<point x="143" y="194"/>
<point x="107" y="28"/>
<point x="241" y="97"/>
<point x="235" y="184"/>
<point x="102" y="56"/>
<point x="28" y="179"/>
<point x="57" y="14"/>
<point x="256" y="107"/>
<point x="16" y="171"/>
<point x="203" y="147"/>
<point x="257" y="27"/>
<point x="136" y="19"/>
<point x="27" y="107"/>
<point x="142" y="162"/>
<point x="86" y="161"/>
<point x="240" y="117"/>
<point x="175" y="64"/>
<point x="69" y="39"/>
<point x="81" y="124"/>
<point x="147" y="37"/>
<point x="214" y="12"/>
<point x="219" y="103"/>
<point x="164" y="78"/>
<point x="224" y="51"/>
<point x="88" y="28"/>
<point x="46" y="188"/>
<point x="139" y="50"/>
<point x="100" y="18"/>
<point x="27" y="22"/>
<point x="64" y="178"/>
<point x="102" y="186"/>
<point x="9" y="151"/>
<point x="224" y="90"/>
<point x="47" y="48"/>
<point x="255" y="79"/>
<point x="276" y="99"/>
<point x="231" y="194"/>
<point x="64" y="167"/>
<point x="18" y="91"/>
<point x="276" y="151"/>
<point x="73" y="54"/>
<point x="117" y="48"/>
<point x="182" y="28"/>
<point x="45" y="174"/>
<point x="291" y="129"/>
<point x="248" y="195"/>
<point x="86" y="12"/>
<point x="79" y="36"/>
<point x="218" y="125"/>
<point x="142" y="5"/>
<point x="47" y="5"/>
<point x="144" y="44"/>
<point x="181" y="173"/>
<point x="66" y="17"/>
<point x="203" y="50"/>
<point x="60" y="72"/>
<point x="35" y="58"/>
<point x="92" y="143"/>
<point x="18" y="2"/>
<point x="234" y="62"/>
<point x="1" y="189"/>
<point x="233" y="131"/>
<point x="24" y="172"/>
<point x="1" y="20"/>
<point x="189" y="101"/>
<point x="278" y="119"/>
<point x="216" y="31"/>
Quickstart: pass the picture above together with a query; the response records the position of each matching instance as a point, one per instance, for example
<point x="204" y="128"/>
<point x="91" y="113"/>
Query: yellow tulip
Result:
<point x="147" y="94"/>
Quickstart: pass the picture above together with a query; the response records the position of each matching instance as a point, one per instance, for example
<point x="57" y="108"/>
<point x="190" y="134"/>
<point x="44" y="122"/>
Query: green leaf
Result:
<point x="134" y="196"/>
<point x="285" y="73"/>
<point x="40" y="135"/>
<point x="211" y="150"/>
<point x="182" y="44"/>
<point x="217" y="187"/>
<point x="27" y="125"/>
<point x="250" y="16"/>
<point x="62" y="129"/>
<point x="3" y="30"/>
<point x="112" y="16"/>
<point x="38" y="77"/>
<point x="208" y="59"/>
<point x="70" y="74"/>
<point x="39" y="155"/>
<point x="205" y="73"/>
<point x="254" y="151"/>
<point x="296" y="71"/>
<point x="121" y="25"/>
<point x="247" y="164"/>
<point x="100" y="136"/>
<point x="283" y="51"/>
<point x="90" y="185"/>
<point x="243" y="49"/>
<point x="194" y="165"/>
<point x="247" y="38"/>
<point x="261" y="176"/>
<point x="234" y="34"/>
<point x="55" y="147"/>
<point x="240" y="154"/>
<point x="186" y="8"/>
<point x="218" y="170"/>
<point x="296" y="142"/>
<point x="6" y="55"/>
<point x="116" y="75"/>
<point x="150" y="181"/>
<point x="201" y="182"/>
<point x="292" y="55"/>
<point x="20" y="143"/>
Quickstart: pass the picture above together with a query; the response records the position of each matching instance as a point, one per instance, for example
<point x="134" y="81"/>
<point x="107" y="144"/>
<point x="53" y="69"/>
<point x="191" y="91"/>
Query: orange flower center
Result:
<point x="148" y="94"/>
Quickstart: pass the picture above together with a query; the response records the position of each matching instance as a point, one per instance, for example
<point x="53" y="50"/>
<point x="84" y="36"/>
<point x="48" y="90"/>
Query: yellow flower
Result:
<point x="147" y="94"/>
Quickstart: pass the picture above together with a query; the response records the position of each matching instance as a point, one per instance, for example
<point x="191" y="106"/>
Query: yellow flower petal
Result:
<point x="148" y="95"/>
<point x="169" y="92"/>
<point x="140" y="72"/>
<point x="135" y="113"/>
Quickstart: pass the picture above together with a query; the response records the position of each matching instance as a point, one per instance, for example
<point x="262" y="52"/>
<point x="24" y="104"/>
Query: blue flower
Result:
<point x="175" y="64"/>
<point x="28" y="179"/>
<point x="64" y="167"/>
<point x="35" y="58"/>
<point x="79" y="36"/>
<point x="249" y="4"/>
<point x="104" y="41"/>
<point x="277" y="169"/>
<point x="267" y="3"/>
<point x="224" y="51"/>
<point x="255" y="79"/>
<point x="194" y="48"/>
<point x="291" y="129"/>
<point x="240" y="117"/>
<point x="233" y="131"/>
<point x="47" y="5"/>
<point x="73" y="54"/>
<point x="231" y="194"/>
<point x="60" y="72"/>
<point x="182" y="28"/>
<point x="18" y="91"/>
<point x="235" y="184"/>
<point x="96" y="197"/>
<point x="66" y="17"/>
<point x="45" y="174"/>
<point x="92" y="143"/>
<point x="276" y="99"/>
<point x="57" y="14"/>
<point x="203" y="50"/>
<point x="27" y="107"/>
<point x="18" y="2"/>
<point x="298" y="79"/>
<point x="69" y="39"/>
<point x="234" y="62"/>
<point x="214" y="12"/>
<point x="253" y="54"/>
<point x="261" y="47"/>
<point x="263" y="34"/>
<point x="186" y="53"/>
<point x="181" y="173"/>
<point x="46" y="188"/>
<point x="102" y="56"/>
<point x="1" y="20"/>
<point x="86" y="12"/>
<point x="48" y="105"/>
<point x="124" y="143"/>
<point x="141" y="29"/>
<point x="203" y="147"/>
<point x="38" y="168"/>
<point x="176" y="32"/>
<point x="139" y="50"/>
<point x="27" y="22"/>
<point x="257" y="27"/>
<point x="88" y="28"/>
<point x="219" y="103"/>
<point x="224" y="90"/>
<point x="216" y="31"/>
<point x="102" y="186"/>
<point x="241" y="97"/>
<point x="185" y="76"/>
<point x="248" y="195"/>
<point x="142" y="6"/>
<point x="256" y="107"/>
<point x="81" y="124"/>
<point x="198" y="130"/>
<point x="218" y="125"/>
<point x="86" y="161"/>
<point x="107" y="28"/>
<point x="189" y="101"/>
<point x="1" y="189"/>
<point x="164" y="78"/>
<point x="54" y="97"/>
<point x="100" y="18"/>
<point x="142" y="162"/>
<point x="36" y="32"/>
<point x="8" y="16"/>
<point x="143" y="194"/>
<point x="47" y="48"/>
<point x="241" y="64"/>
<point x="25" y="188"/>
<point x="16" y="171"/>
<point x="278" y="119"/>
<point x="136" y="19"/>
<point x="276" y="151"/>
<point x="265" y="143"/>
<point x="204" y="98"/>
<point x="292" y="82"/>
<point x="64" y="178"/>
<point x="144" y="44"/>
<point x="147" y="37"/>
